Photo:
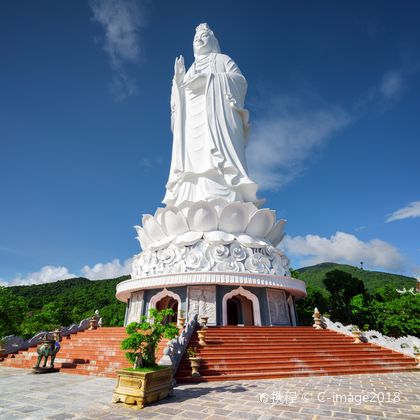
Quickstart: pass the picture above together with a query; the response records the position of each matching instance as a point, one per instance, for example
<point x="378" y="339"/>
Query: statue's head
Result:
<point x="204" y="41"/>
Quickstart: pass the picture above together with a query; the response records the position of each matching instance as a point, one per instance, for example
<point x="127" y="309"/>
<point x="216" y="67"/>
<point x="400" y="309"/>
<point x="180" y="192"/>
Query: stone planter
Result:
<point x="202" y="337"/>
<point x="195" y="365"/>
<point x="142" y="388"/>
<point x="417" y="357"/>
<point x="357" y="334"/>
<point x="203" y="321"/>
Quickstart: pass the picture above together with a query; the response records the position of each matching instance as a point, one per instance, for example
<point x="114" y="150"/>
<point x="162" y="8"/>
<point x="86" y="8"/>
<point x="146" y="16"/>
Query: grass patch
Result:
<point x="146" y="369"/>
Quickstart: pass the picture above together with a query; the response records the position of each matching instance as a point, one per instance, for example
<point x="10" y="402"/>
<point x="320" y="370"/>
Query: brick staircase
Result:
<point x="94" y="352"/>
<point x="238" y="353"/>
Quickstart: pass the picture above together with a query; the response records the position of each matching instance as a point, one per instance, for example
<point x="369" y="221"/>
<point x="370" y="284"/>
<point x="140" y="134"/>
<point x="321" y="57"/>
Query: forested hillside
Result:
<point x="314" y="275"/>
<point x="368" y="299"/>
<point x="26" y="310"/>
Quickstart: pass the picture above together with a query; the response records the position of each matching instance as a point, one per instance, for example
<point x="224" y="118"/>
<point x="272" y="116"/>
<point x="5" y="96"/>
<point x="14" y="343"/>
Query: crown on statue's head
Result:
<point x="203" y="27"/>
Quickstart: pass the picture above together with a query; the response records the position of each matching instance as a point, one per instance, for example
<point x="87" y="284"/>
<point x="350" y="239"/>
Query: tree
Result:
<point x="342" y="287"/>
<point x="315" y="298"/>
<point x="52" y="316"/>
<point x="144" y="336"/>
<point x="397" y="317"/>
<point x="13" y="310"/>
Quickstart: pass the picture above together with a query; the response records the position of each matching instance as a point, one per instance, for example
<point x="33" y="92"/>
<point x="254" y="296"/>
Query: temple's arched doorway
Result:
<point x="239" y="311"/>
<point x="168" y="302"/>
<point x="241" y="306"/>
<point x="166" y="299"/>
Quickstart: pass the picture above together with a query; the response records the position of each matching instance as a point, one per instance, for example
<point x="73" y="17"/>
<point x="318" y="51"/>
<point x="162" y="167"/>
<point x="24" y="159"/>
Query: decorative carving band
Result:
<point x="294" y="286"/>
<point x="205" y="256"/>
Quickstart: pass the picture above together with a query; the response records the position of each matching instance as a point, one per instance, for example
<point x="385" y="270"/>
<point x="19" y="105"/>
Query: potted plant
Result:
<point x="194" y="360"/>
<point x="146" y="381"/>
<point x="181" y="318"/>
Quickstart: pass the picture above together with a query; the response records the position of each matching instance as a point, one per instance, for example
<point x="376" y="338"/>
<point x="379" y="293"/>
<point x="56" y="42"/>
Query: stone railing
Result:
<point x="406" y="345"/>
<point x="175" y="349"/>
<point x="14" y="343"/>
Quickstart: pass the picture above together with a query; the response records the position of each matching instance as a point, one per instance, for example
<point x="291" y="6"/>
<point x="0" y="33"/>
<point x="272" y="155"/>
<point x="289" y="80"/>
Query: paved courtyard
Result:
<point x="62" y="396"/>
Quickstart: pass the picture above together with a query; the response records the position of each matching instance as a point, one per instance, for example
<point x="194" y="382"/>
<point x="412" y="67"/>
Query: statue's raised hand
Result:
<point x="179" y="69"/>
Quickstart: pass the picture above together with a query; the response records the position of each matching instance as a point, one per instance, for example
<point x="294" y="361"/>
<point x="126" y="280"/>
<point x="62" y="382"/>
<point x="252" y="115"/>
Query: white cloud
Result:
<point x="282" y="142"/>
<point x="107" y="270"/>
<point x="47" y="274"/>
<point x="122" y="21"/>
<point x="391" y="84"/>
<point x="345" y="248"/>
<point x="409" y="212"/>
<point x="50" y="274"/>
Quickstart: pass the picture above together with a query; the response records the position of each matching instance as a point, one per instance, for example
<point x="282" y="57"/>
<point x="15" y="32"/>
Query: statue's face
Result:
<point x="202" y="43"/>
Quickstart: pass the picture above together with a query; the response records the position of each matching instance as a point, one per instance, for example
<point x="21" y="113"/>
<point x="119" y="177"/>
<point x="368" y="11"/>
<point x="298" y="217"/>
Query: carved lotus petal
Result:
<point x="202" y="217"/>
<point x="218" y="204"/>
<point x="158" y="214"/>
<point x="188" y="238"/>
<point x="250" y="242"/>
<point x="219" y="237"/>
<point x="277" y="233"/>
<point x="143" y="238"/>
<point x="163" y="243"/>
<point x="261" y="223"/>
<point x="174" y="221"/>
<point x="234" y="218"/>
<point x="251" y="207"/>
<point x="152" y="228"/>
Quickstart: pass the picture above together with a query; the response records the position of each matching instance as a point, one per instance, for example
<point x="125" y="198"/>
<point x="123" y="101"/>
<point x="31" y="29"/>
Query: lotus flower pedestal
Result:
<point x="214" y="258"/>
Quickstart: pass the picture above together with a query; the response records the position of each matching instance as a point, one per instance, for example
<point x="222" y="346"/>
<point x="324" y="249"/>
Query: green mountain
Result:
<point x="26" y="310"/>
<point x="314" y="275"/>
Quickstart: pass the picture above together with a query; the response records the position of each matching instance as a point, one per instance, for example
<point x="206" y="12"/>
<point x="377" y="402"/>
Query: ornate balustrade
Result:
<point x="406" y="345"/>
<point x="175" y="349"/>
<point x="14" y="343"/>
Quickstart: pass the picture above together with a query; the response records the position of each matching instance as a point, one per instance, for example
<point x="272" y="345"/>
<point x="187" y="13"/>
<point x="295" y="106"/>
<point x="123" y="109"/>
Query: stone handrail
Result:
<point x="175" y="349"/>
<point x="14" y="343"/>
<point x="406" y="345"/>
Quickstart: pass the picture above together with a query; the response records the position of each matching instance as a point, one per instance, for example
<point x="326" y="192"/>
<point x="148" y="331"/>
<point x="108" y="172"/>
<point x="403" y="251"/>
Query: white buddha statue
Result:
<point x="210" y="127"/>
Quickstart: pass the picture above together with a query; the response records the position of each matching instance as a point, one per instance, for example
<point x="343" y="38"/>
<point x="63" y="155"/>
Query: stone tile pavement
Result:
<point x="62" y="396"/>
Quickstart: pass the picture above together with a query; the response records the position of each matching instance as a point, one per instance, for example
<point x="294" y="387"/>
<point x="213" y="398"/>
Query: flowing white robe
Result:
<point x="209" y="126"/>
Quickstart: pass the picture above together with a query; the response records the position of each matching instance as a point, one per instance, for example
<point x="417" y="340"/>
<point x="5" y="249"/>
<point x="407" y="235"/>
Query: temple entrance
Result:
<point x="239" y="311"/>
<point x="241" y="307"/>
<point x="168" y="302"/>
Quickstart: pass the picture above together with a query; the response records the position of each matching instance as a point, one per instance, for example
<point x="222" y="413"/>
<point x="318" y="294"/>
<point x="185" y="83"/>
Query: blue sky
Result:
<point x="85" y="131"/>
